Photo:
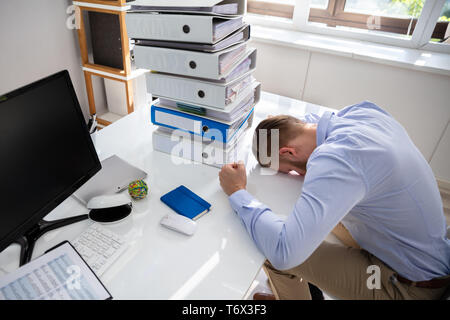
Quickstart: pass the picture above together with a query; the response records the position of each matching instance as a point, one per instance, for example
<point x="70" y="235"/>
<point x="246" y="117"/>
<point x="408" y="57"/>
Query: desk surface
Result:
<point x="220" y="260"/>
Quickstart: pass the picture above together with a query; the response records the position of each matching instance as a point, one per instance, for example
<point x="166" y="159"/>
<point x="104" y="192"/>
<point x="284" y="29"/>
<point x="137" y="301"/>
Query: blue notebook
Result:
<point x="183" y="201"/>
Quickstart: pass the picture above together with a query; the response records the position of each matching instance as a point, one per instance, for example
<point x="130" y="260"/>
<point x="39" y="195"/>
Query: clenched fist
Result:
<point x="233" y="177"/>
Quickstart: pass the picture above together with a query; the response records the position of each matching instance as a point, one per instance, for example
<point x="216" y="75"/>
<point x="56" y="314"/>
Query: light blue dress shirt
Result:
<point x="367" y="173"/>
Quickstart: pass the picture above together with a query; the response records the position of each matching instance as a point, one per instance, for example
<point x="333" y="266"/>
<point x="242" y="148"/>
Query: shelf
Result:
<point x="124" y="41"/>
<point x="103" y="72"/>
<point x="108" y="118"/>
<point x="103" y="5"/>
<point x="107" y="24"/>
<point x="105" y="69"/>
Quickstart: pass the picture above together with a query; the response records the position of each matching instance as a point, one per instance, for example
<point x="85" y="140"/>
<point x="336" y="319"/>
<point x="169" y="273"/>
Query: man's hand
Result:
<point x="233" y="177"/>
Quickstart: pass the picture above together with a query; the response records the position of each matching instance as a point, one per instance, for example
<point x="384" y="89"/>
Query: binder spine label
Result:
<point x="178" y="122"/>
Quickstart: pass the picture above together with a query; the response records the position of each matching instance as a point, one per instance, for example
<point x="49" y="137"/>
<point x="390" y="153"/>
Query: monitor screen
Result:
<point x="46" y="152"/>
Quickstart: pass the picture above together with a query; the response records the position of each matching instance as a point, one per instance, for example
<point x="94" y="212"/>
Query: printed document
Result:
<point x="60" y="274"/>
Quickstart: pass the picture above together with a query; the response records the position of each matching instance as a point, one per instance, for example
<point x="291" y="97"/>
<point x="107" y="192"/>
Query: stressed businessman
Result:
<point x="366" y="182"/>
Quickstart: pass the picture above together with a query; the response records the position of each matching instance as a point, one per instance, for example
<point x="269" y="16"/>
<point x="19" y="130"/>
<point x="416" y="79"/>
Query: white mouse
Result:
<point x="108" y="201"/>
<point x="179" y="223"/>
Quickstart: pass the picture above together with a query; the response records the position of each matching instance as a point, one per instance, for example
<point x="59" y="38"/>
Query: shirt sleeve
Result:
<point x="332" y="187"/>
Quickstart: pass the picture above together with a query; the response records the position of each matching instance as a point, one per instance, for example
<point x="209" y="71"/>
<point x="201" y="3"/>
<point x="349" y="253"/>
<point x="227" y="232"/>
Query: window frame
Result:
<point x="389" y="31"/>
<point x="270" y="9"/>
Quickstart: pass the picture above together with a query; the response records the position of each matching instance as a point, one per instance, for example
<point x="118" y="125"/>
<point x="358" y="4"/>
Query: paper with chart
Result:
<point x="60" y="274"/>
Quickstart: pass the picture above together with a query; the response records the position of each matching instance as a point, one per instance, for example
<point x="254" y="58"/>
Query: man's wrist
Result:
<point x="236" y="197"/>
<point x="235" y="190"/>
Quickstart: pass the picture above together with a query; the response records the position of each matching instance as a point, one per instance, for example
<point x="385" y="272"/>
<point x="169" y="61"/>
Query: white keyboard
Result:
<point x="99" y="247"/>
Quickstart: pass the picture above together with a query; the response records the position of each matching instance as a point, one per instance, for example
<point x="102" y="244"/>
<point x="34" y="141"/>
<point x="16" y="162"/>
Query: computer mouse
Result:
<point x="109" y="208"/>
<point x="179" y="223"/>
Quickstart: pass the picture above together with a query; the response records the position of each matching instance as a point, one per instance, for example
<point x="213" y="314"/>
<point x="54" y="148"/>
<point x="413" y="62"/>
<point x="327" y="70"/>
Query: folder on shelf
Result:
<point x="231" y="113"/>
<point x="208" y="128"/>
<point x="218" y="65"/>
<point x="214" y="153"/>
<point x="237" y="37"/>
<point x="181" y="27"/>
<point x="106" y="39"/>
<point x="216" y="7"/>
<point x="216" y="94"/>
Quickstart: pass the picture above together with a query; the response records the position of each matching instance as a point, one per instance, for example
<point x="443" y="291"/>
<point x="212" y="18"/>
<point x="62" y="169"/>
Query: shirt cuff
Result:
<point x="238" y="198"/>
<point x="242" y="199"/>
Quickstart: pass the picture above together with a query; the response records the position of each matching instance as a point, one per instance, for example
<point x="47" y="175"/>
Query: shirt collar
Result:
<point x="322" y="127"/>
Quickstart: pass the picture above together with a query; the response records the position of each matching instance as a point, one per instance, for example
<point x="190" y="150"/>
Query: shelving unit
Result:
<point x="125" y="74"/>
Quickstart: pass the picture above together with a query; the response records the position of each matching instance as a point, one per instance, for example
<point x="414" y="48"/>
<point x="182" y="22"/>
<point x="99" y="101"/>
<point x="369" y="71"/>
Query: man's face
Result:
<point x="292" y="167"/>
<point x="295" y="155"/>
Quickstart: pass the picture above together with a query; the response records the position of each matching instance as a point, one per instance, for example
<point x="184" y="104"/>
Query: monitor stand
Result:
<point x="28" y="240"/>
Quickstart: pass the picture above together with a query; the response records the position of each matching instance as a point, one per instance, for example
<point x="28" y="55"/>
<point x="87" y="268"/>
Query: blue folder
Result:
<point x="183" y="201"/>
<point x="205" y="127"/>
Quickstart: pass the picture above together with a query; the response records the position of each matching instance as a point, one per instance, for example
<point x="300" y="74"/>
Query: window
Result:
<point x="441" y="32"/>
<point x="398" y="16"/>
<point x="387" y="21"/>
<point x="319" y="4"/>
<point x="277" y="8"/>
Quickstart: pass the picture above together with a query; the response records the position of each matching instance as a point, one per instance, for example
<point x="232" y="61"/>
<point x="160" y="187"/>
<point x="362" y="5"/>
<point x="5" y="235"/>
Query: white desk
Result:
<point x="220" y="261"/>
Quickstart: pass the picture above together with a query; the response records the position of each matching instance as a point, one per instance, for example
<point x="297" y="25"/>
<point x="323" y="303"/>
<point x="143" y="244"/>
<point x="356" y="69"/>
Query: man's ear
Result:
<point x="287" y="152"/>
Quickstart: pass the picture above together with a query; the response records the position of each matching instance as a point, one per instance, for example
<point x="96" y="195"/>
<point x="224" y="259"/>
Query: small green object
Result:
<point x="138" y="189"/>
<point x="191" y="109"/>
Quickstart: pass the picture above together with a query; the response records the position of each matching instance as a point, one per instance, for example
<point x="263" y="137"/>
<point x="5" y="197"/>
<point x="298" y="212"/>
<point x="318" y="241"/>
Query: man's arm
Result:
<point x="331" y="189"/>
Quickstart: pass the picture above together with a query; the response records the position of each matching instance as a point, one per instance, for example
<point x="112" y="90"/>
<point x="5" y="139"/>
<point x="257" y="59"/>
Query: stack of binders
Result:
<point x="201" y="71"/>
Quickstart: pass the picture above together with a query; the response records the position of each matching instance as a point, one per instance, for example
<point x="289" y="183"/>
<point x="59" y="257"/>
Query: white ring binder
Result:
<point x="202" y="72"/>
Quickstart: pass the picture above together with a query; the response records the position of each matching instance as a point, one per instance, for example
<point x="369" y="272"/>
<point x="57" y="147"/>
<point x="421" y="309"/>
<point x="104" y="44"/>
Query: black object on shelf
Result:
<point x="106" y="39"/>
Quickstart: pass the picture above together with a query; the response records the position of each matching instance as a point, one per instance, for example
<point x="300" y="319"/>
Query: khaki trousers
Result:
<point x="342" y="272"/>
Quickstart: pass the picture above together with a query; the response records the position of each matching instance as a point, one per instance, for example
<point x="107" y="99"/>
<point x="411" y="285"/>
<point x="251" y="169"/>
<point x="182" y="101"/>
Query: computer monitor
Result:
<point x="46" y="153"/>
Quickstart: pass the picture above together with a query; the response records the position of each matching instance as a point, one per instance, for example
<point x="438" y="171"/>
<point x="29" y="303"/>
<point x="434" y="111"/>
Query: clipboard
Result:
<point x="59" y="274"/>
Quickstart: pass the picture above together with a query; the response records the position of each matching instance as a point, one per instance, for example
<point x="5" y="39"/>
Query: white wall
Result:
<point x="418" y="100"/>
<point x="35" y="43"/>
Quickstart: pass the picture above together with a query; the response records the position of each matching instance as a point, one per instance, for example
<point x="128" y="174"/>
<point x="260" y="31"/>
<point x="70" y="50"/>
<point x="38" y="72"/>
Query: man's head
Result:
<point x="297" y="140"/>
